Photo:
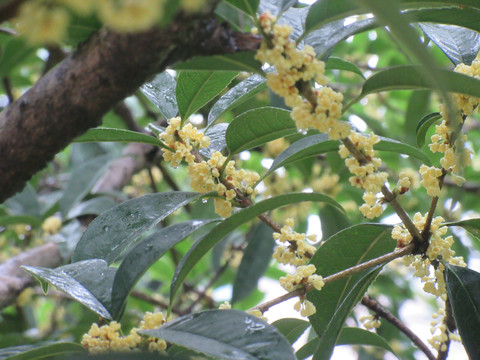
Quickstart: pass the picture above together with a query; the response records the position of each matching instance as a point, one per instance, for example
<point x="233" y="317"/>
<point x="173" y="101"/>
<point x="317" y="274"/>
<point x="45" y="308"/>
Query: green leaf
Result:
<point x="216" y="134"/>
<point x="332" y="332"/>
<point x="418" y="106"/>
<point x="25" y="202"/>
<point x="471" y="225"/>
<point x="387" y="144"/>
<point x="202" y="246"/>
<point x="94" y="206"/>
<point x="304" y="148"/>
<point x="353" y="246"/>
<point x="89" y="282"/>
<point x="424" y="125"/>
<point x="116" y="229"/>
<point x="161" y="92"/>
<point x="118" y="135"/>
<point x="257" y="127"/>
<point x="82" y="179"/>
<point x="463" y="286"/>
<point x="291" y="328"/>
<point x="276" y="7"/>
<point x="326" y="37"/>
<point x="459" y="44"/>
<point x="249" y="7"/>
<point x="237" y="96"/>
<point x="332" y="221"/>
<point x="143" y="255"/>
<point x="255" y="261"/>
<point x="226" y="334"/>
<point x="341" y="64"/>
<point x="41" y="351"/>
<point x="20" y="219"/>
<point x="348" y="336"/>
<point x="196" y="89"/>
<point x="238" y="61"/>
<point x="15" y="51"/>
<point x="325" y="11"/>
<point x="409" y="77"/>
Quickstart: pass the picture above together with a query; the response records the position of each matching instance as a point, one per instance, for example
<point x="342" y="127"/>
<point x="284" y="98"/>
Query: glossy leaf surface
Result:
<point x="118" y="135"/>
<point x="161" y="92"/>
<point x="116" y="229"/>
<point x="226" y="334"/>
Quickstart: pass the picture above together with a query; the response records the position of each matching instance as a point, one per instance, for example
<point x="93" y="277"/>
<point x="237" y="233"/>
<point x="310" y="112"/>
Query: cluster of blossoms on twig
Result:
<point x="429" y="268"/>
<point x="295" y="250"/>
<point x="108" y="338"/>
<point x="46" y="21"/>
<point x="370" y="322"/>
<point x="207" y="175"/>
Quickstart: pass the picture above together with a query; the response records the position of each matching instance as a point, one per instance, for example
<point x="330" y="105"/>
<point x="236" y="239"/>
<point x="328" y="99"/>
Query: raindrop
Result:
<point x="106" y="228"/>
<point x="204" y="201"/>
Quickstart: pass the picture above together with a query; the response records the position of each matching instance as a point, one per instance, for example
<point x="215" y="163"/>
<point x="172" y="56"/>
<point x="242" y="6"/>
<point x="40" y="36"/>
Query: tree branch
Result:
<point x="73" y="96"/>
<point x="387" y="315"/>
<point x="14" y="279"/>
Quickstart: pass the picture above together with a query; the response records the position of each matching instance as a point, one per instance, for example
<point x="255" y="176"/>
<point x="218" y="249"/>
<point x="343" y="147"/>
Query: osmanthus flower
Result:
<point x="42" y="22"/>
<point x="52" y="225"/>
<point x="107" y="338"/>
<point x="297" y="66"/>
<point x="294" y="249"/>
<point x="370" y="322"/>
<point x="429" y="267"/>
<point x="366" y="176"/>
<point x="304" y="274"/>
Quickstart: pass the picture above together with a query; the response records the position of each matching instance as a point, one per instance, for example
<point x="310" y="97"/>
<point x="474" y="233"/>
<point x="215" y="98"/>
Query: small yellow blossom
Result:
<point x="225" y="306"/>
<point x="42" y="23"/>
<point x="52" y="225"/>
<point x="130" y="15"/>
<point x="370" y="322"/>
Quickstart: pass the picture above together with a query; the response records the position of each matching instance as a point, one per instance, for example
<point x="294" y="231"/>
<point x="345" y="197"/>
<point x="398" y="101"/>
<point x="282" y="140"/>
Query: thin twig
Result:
<point x="7" y="86"/>
<point x="153" y="184"/>
<point x="340" y="275"/>
<point x="382" y="312"/>
<point x="150" y="299"/>
<point x="122" y="110"/>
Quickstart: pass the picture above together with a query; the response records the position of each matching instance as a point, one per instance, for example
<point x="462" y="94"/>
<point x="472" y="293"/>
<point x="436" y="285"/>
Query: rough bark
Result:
<point x="13" y="279"/>
<point x="73" y="96"/>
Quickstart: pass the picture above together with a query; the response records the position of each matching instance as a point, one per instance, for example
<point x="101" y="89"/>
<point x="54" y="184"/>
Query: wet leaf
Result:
<point x="89" y="282"/>
<point x="226" y="334"/>
<point x="341" y="64"/>
<point x="249" y="7"/>
<point x="161" y="92"/>
<point x="94" y="206"/>
<point x="143" y="255"/>
<point x="216" y="133"/>
<point x="471" y="225"/>
<point x="116" y="229"/>
<point x="237" y="96"/>
<point x="238" y="61"/>
<point x="459" y="44"/>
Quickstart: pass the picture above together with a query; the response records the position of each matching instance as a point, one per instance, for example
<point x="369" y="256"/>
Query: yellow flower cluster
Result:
<point x="107" y="338"/>
<point x="305" y="274"/>
<point x="46" y="21"/>
<point x="182" y="141"/>
<point x="430" y="179"/>
<point x="440" y="332"/>
<point x="439" y="249"/>
<point x="205" y="177"/>
<point x="42" y="22"/>
<point x="366" y="176"/>
<point x="370" y="322"/>
<point x="296" y="250"/>
<point x="52" y="225"/>
<point x="294" y="68"/>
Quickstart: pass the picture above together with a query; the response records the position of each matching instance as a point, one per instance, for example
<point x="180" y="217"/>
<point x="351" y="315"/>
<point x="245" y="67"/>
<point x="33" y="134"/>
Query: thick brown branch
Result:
<point x="73" y="96"/>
